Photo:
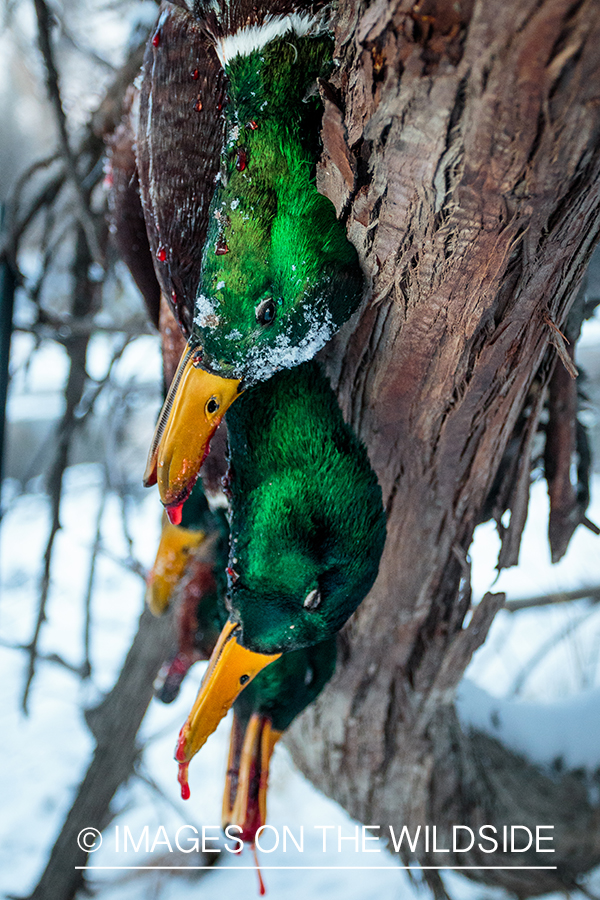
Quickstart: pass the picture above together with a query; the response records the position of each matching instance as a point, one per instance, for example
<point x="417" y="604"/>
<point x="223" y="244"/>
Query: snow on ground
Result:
<point x="565" y="734"/>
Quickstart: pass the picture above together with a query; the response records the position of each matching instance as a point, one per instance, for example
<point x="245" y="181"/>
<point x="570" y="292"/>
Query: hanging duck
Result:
<point x="261" y="714"/>
<point x="269" y="704"/>
<point x="257" y="267"/>
<point x="306" y="535"/>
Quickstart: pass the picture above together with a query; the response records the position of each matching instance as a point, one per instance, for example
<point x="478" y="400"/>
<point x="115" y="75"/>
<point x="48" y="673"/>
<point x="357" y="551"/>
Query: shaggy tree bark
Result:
<point x="462" y="149"/>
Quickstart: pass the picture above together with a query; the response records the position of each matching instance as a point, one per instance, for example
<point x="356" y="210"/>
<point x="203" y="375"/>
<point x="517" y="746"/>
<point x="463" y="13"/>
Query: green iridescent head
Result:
<point x="279" y="276"/>
<point x="307" y="525"/>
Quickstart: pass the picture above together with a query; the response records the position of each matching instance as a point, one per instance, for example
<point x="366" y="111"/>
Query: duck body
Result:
<point x="307" y="529"/>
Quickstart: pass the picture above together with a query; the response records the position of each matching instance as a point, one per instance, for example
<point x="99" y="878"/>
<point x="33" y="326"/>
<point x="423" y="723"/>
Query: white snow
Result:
<point x="246" y="40"/>
<point x="568" y="731"/>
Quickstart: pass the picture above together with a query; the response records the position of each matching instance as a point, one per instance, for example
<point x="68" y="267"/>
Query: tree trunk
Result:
<point x="461" y="147"/>
<point x="114" y="724"/>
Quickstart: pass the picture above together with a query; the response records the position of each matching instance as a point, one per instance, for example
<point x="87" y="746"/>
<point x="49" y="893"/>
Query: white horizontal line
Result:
<point x="341" y="868"/>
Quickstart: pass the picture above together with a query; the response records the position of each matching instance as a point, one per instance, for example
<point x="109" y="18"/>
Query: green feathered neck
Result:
<point x="272" y="236"/>
<point x="287" y="686"/>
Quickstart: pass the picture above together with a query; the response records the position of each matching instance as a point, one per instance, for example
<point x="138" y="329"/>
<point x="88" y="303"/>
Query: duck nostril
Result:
<point x="244" y="679"/>
<point x="212" y="406"/>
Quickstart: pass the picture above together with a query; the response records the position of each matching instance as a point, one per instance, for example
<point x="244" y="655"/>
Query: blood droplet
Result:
<point x="180" y="756"/>
<point x="232" y="574"/>
<point x="182" y="778"/>
<point x="174" y="513"/>
<point x="219" y="107"/>
<point x="174" y="296"/>
<point x="221" y="247"/>
<point x="195" y="75"/>
<point x="241" y="160"/>
<point x="161" y="254"/>
<point x="156" y="39"/>
<point x="252" y="125"/>
<point x="198" y="105"/>
<point x="261" y="885"/>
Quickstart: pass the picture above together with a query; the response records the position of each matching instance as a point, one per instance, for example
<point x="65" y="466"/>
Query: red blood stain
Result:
<point x="156" y="39"/>
<point x="198" y="105"/>
<point x="180" y="748"/>
<point x="241" y="160"/>
<point x="195" y="75"/>
<point x="174" y="513"/>
<point x="261" y="885"/>
<point x="219" y="107"/>
<point x="174" y="296"/>
<point x="221" y="247"/>
<point x="180" y="756"/>
<point x="182" y="778"/>
<point x="161" y="254"/>
<point x="252" y="125"/>
<point x="232" y="574"/>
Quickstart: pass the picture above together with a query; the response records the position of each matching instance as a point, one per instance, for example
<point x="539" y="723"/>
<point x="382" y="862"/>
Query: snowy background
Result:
<point x="535" y="683"/>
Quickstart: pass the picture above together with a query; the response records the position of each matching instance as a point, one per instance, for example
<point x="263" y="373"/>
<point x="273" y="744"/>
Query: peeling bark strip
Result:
<point x="462" y="144"/>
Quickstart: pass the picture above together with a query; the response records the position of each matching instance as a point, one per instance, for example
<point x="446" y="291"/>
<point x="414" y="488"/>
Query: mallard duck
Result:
<point x="306" y="534"/>
<point x="257" y="267"/>
<point x="261" y="714"/>
<point x="271" y="701"/>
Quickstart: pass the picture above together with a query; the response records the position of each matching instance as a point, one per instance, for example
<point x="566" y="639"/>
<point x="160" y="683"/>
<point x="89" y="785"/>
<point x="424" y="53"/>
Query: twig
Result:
<point x="87" y="50"/>
<point x="543" y="651"/>
<point x="46" y="657"/>
<point x="83" y="292"/>
<point x="560" y="342"/>
<point x="87" y="663"/>
<point x="44" y="198"/>
<point x="85" y="216"/>
<point x="14" y="198"/>
<point x="591" y="593"/>
<point x="106" y="380"/>
<point x="130" y="563"/>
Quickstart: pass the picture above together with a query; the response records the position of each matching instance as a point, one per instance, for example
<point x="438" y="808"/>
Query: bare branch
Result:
<point x="591" y="593"/>
<point x="52" y="82"/>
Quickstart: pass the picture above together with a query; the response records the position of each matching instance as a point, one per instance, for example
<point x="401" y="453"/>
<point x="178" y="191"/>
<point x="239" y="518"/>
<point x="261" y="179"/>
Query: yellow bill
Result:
<point x="195" y="405"/>
<point x="230" y="668"/>
<point x="176" y="544"/>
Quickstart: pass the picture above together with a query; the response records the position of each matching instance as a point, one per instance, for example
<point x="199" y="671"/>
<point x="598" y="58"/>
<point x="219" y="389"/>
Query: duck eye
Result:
<point x="312" y="600"/>
<point x="265" y="311"/>
<point x="212" y="406"/>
